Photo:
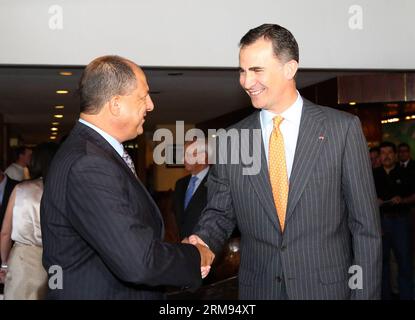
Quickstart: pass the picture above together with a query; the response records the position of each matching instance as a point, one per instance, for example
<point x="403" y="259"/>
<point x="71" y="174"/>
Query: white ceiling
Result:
<point x="27" y="96"/>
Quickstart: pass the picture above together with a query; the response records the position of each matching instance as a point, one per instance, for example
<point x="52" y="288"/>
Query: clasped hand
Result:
<point x="206" y="255"/>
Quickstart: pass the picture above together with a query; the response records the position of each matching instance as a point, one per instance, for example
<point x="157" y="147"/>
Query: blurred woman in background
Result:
<point x="22" y="270"/>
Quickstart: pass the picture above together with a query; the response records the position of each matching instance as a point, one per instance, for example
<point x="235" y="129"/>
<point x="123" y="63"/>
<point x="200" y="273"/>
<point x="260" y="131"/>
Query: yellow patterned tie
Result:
<point x="278" y="170"/>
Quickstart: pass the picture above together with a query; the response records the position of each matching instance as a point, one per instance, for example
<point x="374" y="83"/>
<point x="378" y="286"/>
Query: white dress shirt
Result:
<point x="200" y="176"/>
<point x="15" y="172"/>
<point x="289" y="128"/>
<point x="404" y="164"/>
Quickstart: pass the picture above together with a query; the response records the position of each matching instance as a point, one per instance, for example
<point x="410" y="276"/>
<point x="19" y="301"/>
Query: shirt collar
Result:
<point x="110" y="139"/>
<point x="292" y="114"/>
<point x="201" y="175"/>
<point x="405" y="163"/>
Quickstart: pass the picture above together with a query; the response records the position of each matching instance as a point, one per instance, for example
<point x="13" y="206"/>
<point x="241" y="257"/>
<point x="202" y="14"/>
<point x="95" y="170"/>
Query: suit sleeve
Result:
<point x="364" y="219"/>
<point x="100" y="210"/>
<point x="218" y="219"/>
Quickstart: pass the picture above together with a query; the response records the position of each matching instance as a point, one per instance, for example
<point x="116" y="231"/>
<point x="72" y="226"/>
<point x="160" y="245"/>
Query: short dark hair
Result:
<point x="404" y="145"/>
<point x="19" y="151"/>
<point x="283" y="42"/>
<point x="388" y="144"/>
<point x="374" y="149"/>
<point x="104" y="78"/>
<point x="41" y="158"/>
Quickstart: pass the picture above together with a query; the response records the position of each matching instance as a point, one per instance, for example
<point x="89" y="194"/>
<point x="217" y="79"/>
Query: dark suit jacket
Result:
<point x="10" y="184"/>
<point x="410" y="167"/>
<point x="100" y="225"/>
<point x="187" y="219"/>
<point x="332" y="220"/>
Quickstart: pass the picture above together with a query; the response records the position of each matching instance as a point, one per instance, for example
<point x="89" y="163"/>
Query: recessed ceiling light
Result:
<point x="58" y="116"/>
<point x="52" y="137"/>
<point x="54" y="129"/>
<point x="62" y="91"/>
<point x="59" y="107"/>
<point x="65" y="73"/>
<point x="54" y="133"/>
<point x="55" y="123"/>
<point x="352" y="103"/>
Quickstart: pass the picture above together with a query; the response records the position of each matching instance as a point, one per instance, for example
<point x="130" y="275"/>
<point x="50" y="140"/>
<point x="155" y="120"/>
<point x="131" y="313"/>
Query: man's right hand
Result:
<point x="205" y="268"/>
<point x="206" y="255"/>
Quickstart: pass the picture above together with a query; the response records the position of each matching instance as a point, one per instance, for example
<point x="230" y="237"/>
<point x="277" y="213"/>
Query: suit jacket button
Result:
<point x="283" y="248"/>
<point x="278" y="278"/>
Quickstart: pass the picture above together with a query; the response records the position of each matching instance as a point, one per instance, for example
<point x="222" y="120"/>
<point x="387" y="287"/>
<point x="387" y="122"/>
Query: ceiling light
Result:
<point x="52" y="137"/>
<point x="62" y="91"/>
<point x="58" y="116"/>
<point x="352" y="103"/>
<point x="55" y="123"/>
<point x="59" y="107"/>
<point x="392" y="105"/>
<point x="54" y="133"/>
<point x="65" y="73"/>
<point x="54" y="129"/>
<point x="410" y="117"/>
<point x="391" y="120"/>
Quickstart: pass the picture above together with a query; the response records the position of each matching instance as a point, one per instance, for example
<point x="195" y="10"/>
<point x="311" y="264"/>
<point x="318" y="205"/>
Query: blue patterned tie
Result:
<point x="189" y="191"/>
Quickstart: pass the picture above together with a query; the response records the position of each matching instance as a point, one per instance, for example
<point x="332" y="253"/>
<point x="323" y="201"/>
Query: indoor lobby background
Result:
<point x="355" y="55"/>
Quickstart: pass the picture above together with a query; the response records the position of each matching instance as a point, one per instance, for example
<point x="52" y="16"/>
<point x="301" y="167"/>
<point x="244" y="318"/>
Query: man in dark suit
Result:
<point x="396" y="193"/>
<point x="99" y="224"/>
<point x="190" y="192"/>
<point x="404" y="156"/>
<point x="309" y="220"/>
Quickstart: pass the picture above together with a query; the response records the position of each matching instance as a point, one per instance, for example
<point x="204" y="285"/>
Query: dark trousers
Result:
<point x="397" y="237"/>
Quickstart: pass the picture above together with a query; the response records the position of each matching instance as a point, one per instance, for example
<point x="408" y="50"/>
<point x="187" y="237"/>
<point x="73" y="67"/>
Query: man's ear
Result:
<point x="114" y="106"/>
<point x="290" y="69"/>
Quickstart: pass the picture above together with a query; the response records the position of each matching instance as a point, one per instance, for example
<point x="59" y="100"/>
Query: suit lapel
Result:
<point x="97" y="139"/>
<point x="260" y="182"/>
<point x="311" y="137"/>
<point x="200" y="189"/>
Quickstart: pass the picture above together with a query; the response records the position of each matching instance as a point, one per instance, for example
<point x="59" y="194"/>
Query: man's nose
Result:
<point x="149" y="104"/>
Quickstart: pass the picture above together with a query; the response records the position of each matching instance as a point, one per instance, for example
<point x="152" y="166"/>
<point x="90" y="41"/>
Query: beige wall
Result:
<point x="344" y="34"/>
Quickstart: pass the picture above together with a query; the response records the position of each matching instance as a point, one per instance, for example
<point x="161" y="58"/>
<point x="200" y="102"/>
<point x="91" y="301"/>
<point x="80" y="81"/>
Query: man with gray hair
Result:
<point x="99" y="224"/>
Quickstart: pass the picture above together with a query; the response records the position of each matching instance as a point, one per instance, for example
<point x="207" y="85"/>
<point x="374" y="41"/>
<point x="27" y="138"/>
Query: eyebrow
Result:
<point x="141" y="98"/>
<point x="252" y="69"/>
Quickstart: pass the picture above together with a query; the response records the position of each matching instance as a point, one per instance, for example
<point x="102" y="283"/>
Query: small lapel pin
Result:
<point x="321" y="138"/>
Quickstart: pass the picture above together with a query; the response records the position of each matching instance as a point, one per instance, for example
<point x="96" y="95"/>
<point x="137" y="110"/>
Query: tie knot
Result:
<point x="277" y="121"/>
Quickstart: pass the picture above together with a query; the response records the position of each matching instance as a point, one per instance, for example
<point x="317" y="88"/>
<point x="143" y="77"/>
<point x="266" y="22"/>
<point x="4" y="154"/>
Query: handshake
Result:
<point x="206" y="255"/>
